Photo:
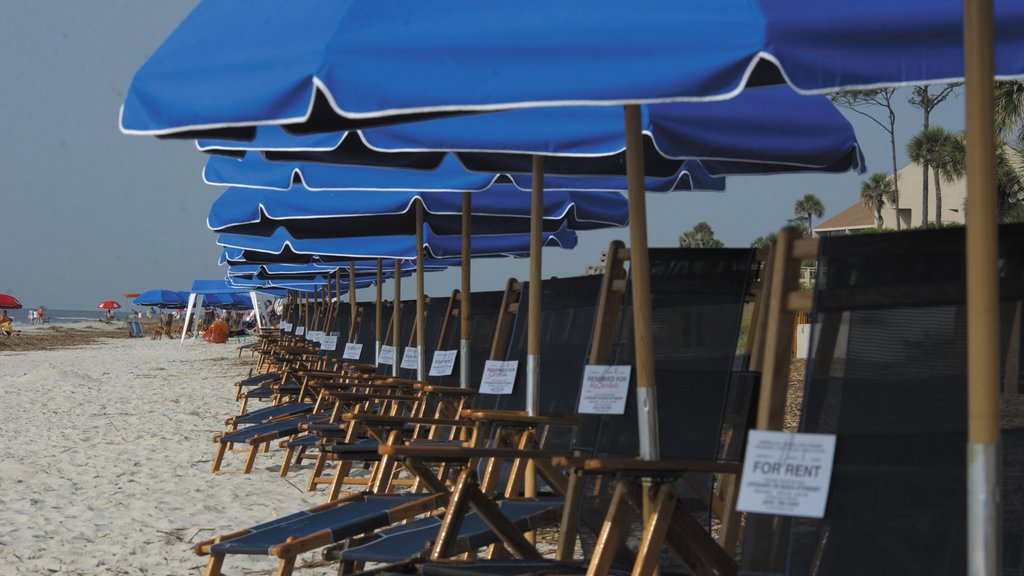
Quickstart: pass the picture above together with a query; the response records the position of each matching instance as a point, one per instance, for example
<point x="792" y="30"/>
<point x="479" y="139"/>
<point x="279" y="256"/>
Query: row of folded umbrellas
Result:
<point x="307" y="110"/>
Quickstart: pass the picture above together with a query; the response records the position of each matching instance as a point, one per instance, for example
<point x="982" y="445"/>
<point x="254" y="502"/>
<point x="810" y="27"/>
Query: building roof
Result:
<point x="854" y="217"/>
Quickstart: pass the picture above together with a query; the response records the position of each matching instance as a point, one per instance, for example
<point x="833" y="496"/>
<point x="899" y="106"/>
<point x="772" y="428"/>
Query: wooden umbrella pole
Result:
<point x="464" y="327"/>
<point x="533" y="318"/>
<point x="352" y="303"/>
<point x="378" y="328"/>
<point x="395" y="316"/>
<point x="421" y="307"/>
<point x="983" y="522"/>
<point x="641" y="281"/>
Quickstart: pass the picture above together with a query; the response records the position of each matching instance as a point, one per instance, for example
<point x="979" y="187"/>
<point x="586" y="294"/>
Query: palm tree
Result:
<point x="874" y="192"/>
<point x="930" y="148"/>
<point x="808" y="207"/>
<point x="1009" y="109"/>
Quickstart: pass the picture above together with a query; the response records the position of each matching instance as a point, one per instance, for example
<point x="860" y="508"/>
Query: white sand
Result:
<point x="105" y="464"/>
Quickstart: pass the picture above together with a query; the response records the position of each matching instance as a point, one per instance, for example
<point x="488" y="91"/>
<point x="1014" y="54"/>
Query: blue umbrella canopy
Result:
<point x="402" y="247"/>
<point x="759" y="131"/>
<point x="252" y="170"/>
<point x="335" y="213"/>
<point x="162" y="299"/>
<point x="322" y="58"/>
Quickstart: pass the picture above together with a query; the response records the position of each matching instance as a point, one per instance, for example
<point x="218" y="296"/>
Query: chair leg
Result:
<point x="654" y="531"/>
<point x="286" y="566"/>
<point x="318" y="469"/>
<point x="287" y="462"/>
<point x="251" y="459"/>
<point x="612" y="532"/>
<point x="219" y="457"/>
<point x="214" y="565"/>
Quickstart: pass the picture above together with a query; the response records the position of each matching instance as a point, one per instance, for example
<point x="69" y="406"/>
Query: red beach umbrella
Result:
<point x="108" y="305"/>
<point x="9" y="302"/>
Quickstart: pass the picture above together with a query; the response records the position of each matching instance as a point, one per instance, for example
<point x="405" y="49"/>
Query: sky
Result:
<point x="88" y="213"/>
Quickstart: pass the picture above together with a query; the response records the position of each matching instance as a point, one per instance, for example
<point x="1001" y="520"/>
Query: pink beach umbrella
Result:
<point x="9" y="302"/>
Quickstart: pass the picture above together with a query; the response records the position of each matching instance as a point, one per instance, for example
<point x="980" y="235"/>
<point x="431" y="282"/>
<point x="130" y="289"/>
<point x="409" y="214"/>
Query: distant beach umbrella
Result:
<point x="108" y="305"/>
<point x="9" y="302"/>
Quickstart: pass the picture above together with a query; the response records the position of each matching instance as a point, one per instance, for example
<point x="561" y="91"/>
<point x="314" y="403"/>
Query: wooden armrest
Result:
<point x="462" y="453"/>
<point x="360" y="367"/>
<point x="370" y="395"/>
<point x="400" y="420"/>
<point x="641" y="467"/>
<point x="446" y="390"/>
<point x="519" y="418"/>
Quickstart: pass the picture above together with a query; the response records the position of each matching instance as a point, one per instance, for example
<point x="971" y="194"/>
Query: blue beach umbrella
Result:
<point x="760" y="131"/>
<point x="322" y="59"/>
<point x="162" y="299"/>
<point x="252" y="170"/>
<point x="613" y="53"/>
<point x="351" y="213"/>
<point x="400" y="247"/>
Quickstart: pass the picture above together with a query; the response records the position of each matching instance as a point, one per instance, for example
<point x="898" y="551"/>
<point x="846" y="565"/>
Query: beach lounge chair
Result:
<point x="887" y="375"/>
<point x="698" y="301"/>
<point x="348" y="516"/>
<point x="491" y="322"/>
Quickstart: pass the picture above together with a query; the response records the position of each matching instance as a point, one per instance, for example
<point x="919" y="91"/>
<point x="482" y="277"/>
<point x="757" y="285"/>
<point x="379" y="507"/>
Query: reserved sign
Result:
<point x="499" y="377"/>
<point x="604" y="389"/>
<point x="387" y="355"/>
<point x="352" y="351"/>
<point x="443" y="362"/>
<point x="787" y="474"/>
<point x="300" y="330"/>
<point x="329" y="342"/>
<point x="410" y="358"/>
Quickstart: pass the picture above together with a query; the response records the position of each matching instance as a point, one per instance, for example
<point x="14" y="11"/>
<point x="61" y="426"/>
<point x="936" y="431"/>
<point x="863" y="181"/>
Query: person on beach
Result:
<point x="5" y="324"/>
<point x="39" y="315"/>
<point x="32" y="316"/>
<point x="218" y="332"/>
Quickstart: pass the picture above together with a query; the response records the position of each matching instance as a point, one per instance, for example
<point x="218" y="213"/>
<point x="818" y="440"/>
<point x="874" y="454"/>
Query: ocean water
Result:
<point x="59" y="316"/>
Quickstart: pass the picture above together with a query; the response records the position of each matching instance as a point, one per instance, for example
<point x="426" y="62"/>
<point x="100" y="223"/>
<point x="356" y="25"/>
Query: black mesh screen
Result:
<point x="696" y="305"/>
<point x="483" y="318"/>
<point x="342" y="321"/>
<point x="887" y="375"/>
<point x="567" y="317"/>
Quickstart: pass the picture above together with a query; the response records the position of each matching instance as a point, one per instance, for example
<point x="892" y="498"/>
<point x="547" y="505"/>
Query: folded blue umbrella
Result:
<point x="348" y="213"/>
<point x="252" y="170"/>
<point x="759" y="131"/>
<point x="393" y="246"/>
<point x="249" y="62"/>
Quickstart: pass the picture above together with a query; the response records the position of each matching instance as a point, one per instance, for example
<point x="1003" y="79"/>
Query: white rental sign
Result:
<point x="410" y="358"/>
<point x="329" y="342"/>
<point x="443" y="363"/>
<point x="352" y="351"/>
<point x="787" y="474"/>
<point x="604" y="389"/>
<point x="387" y="355"/>
<point x="499" y="377"/>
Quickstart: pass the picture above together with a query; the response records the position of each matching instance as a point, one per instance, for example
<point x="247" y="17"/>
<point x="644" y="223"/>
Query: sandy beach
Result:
<point x="107" y="452"/>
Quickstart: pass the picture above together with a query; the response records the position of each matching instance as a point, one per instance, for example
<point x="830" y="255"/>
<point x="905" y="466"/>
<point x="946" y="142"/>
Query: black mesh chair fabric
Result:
<point x="887" y="376"/>
<point x="697" y="299"/>
<point x="366" y="334"/>
<point x="568" y="306"/>
<point x="483" y="320"/>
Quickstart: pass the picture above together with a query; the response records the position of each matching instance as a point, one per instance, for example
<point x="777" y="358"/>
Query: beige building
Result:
<point x="859" y="217"/>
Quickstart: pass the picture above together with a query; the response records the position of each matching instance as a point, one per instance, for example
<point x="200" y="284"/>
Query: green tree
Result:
<point x="932" y="148"/>
<point x="700" y="236"/>
<point x="875" y="192"/>
<point x="1009" y="110"/>
<point x="806" y="209"/>
<point x="765" y="241"/>
<point x="859" y="101"/>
